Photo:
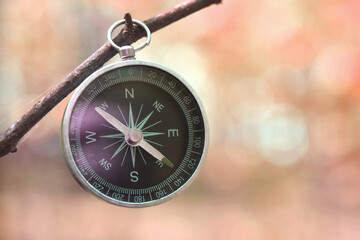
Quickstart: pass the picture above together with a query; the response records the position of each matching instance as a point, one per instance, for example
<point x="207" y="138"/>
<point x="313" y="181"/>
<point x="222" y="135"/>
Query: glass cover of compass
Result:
<point x="134" y="134"/>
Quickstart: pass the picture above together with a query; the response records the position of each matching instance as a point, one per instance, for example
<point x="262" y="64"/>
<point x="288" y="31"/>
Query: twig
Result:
<point x="10" y="138"/>
<point x="129" y="27"/>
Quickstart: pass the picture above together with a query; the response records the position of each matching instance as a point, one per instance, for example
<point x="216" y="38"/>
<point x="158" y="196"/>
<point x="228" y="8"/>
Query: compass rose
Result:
<point x="132" y="135"/>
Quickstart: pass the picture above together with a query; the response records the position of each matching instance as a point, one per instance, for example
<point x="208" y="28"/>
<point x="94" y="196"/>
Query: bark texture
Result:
<point x="11" y="137"/>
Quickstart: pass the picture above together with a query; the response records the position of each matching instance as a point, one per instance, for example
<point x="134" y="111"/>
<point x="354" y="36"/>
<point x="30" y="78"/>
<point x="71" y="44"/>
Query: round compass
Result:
<point x="134" y="133"/>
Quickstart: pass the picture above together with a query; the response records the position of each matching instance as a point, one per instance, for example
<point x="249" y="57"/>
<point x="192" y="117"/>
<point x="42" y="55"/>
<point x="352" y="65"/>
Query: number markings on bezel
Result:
<point x="170" y="181"/>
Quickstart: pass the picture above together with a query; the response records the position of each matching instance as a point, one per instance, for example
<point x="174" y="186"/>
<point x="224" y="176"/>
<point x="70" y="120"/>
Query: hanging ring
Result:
<point x="141" y="24"/>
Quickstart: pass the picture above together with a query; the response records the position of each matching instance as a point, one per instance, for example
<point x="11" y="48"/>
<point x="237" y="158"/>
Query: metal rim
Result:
<point x="66" y="142"/>
<point x="141" y="24"/>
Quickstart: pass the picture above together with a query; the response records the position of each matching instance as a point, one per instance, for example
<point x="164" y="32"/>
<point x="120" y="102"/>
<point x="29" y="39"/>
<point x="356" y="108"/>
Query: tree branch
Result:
<point x="11" y="137"/>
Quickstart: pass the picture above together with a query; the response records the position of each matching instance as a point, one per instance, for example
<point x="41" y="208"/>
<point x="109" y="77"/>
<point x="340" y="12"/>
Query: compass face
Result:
<point x="134" y="134"/>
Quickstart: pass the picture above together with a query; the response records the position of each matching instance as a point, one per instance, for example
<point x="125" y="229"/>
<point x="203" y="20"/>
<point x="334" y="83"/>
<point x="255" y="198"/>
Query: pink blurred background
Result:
<point x="280" y="80"/>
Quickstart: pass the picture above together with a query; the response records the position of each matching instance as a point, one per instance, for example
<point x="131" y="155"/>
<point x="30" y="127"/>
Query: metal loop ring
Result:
<point x="112" y="27"/>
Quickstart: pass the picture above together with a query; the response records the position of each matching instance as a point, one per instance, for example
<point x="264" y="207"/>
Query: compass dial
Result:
<point x="134" y="134"/>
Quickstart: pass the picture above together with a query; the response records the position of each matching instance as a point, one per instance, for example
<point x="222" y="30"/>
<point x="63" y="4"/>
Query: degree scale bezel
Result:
<point x="66" y="127"/>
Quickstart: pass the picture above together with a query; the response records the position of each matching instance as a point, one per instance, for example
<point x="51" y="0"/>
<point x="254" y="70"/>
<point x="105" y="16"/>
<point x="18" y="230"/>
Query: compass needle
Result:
<point x="155" y="153"/>
<point x="113" y="121"/>
<point x="167" y="162"/>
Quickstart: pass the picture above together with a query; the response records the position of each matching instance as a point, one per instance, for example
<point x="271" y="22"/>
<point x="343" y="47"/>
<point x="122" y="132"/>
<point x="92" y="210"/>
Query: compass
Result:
<point x="134" y="133"/>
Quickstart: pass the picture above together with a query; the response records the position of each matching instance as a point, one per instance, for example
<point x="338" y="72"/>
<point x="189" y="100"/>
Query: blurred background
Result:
<point x="280" y="80"/>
